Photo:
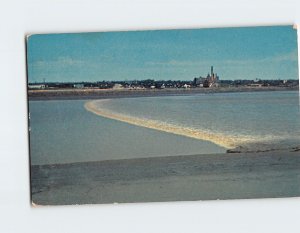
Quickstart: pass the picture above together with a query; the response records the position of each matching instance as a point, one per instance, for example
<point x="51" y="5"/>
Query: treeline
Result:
<point x="151" y="83"/>
<point x="148" y="83"/>
<point x="290" y="82"/>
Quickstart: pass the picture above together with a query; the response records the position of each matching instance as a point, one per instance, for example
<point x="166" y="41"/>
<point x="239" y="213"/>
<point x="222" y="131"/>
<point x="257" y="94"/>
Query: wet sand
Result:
<point x="176" y="178"/>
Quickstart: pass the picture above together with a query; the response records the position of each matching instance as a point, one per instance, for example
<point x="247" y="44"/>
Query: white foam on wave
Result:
<point x="229" y="142"/>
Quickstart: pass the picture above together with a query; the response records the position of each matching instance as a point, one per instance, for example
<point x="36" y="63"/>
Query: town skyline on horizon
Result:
<point x="236" y="53"/>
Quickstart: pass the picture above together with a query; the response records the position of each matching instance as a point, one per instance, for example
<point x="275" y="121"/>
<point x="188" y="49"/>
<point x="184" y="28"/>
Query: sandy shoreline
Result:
<point x="70" y="94"/>
<point x="173" y="178"/>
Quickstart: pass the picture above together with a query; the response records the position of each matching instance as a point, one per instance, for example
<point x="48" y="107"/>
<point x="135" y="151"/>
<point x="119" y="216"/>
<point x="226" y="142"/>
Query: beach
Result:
<point x="176" y="178"/>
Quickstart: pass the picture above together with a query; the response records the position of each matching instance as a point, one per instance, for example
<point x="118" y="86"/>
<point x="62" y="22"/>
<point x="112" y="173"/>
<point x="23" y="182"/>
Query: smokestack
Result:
<point x="212" y="71"/>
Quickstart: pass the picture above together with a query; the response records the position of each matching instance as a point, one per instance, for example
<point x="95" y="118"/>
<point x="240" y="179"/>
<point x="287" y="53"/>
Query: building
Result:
<point x="210" y="80"/>
<point x="117" y="86"/>
<point x="78" y="85"/>
<point x="36" y="86"/>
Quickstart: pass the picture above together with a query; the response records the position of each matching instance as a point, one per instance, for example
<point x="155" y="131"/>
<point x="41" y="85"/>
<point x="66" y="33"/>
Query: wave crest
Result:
<point x="217" y="138"/>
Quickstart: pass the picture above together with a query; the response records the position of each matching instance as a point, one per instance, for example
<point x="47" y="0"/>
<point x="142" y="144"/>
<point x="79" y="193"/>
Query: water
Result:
<point x="64" y="131"/>
<point x="269" y="119"/>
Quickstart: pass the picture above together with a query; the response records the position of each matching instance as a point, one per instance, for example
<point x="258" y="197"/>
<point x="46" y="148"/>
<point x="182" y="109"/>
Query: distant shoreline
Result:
<point x="77" y="94"/>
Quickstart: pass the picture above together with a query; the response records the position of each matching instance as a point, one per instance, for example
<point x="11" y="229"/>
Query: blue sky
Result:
<point x="235" y="53"/>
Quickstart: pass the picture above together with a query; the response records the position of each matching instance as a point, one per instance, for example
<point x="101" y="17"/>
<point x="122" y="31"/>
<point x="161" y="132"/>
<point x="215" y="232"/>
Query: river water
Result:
<point x="66" y="131"/>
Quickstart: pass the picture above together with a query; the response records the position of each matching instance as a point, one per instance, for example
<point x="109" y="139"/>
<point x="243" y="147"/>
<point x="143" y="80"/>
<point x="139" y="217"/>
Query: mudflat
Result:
<point x="93" y="93"/>
<point x="173" y="178"/>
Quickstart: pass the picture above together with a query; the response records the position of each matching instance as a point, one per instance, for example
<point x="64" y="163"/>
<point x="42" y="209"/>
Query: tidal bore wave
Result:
<point x="217" y="138"/>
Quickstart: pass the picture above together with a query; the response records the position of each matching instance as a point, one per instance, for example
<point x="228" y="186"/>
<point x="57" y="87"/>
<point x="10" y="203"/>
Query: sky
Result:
<point x="236" y="53"/>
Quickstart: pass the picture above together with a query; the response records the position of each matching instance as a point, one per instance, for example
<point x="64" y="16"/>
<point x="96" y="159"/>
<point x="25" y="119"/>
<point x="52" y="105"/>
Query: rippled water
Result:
<point x="265" y="119"/>
<point x="65" y="132"/>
